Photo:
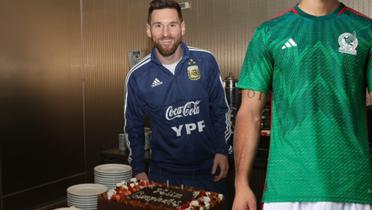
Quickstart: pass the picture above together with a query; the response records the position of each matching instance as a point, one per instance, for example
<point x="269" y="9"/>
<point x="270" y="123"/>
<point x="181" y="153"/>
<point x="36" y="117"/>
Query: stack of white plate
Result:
<point x="84" y="196"/>
<point x="111" y="174"/>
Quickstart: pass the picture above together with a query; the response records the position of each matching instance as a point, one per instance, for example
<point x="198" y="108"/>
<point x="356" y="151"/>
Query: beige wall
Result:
<point x="221" y="26"/>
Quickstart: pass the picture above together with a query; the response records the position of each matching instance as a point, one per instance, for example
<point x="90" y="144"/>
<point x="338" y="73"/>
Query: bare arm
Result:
<point x="246" y="136"/>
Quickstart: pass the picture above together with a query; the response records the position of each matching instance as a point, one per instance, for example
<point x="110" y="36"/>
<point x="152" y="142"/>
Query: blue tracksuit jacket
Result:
<point x="188" y="112"/>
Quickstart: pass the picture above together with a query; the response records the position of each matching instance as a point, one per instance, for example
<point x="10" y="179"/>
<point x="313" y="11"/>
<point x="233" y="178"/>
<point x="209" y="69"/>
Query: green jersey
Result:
<point x="318" y="69"/>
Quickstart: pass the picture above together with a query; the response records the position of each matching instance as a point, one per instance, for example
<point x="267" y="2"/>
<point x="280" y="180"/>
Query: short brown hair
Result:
<point x="163" y="4"/>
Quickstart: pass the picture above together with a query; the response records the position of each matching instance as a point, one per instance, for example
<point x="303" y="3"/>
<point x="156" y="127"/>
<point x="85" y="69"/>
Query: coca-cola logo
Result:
<point x="189" y="109"/>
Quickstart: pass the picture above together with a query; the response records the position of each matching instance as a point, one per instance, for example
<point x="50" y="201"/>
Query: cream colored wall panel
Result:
<point x="223" y="27"/>
<point x="110" y="28"/>
<point x="363" y="6"/>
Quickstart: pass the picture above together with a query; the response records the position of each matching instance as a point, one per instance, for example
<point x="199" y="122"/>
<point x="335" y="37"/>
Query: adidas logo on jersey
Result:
<point x="290" y="43"/>
<point x="156" y="82"/>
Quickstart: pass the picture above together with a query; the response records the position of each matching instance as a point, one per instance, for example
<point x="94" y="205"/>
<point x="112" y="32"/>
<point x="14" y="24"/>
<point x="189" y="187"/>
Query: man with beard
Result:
<point x="179" y="89"/>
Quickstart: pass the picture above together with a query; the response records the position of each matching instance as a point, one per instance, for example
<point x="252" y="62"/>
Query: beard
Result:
<point x="167" y="51"/>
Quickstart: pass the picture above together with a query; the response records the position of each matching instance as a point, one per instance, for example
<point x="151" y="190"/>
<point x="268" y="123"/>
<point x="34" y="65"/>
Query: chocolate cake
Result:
<point x="140" y="195"/>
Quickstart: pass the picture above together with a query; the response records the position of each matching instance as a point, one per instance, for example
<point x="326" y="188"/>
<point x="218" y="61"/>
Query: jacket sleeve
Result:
<point x="219" y="110"/>
<point x="134" y="125"/>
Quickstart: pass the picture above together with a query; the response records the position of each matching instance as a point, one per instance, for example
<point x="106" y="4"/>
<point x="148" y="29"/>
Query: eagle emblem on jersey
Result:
<point x="348" y="43"/>
<point x="193" y="70"/>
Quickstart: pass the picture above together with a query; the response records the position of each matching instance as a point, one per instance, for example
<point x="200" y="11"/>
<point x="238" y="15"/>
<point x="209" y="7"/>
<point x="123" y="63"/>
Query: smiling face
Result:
<point x="166" y="31"/>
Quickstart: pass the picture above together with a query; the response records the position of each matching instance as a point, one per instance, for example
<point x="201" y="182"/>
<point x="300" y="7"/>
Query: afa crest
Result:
<point x="193" y="71"/>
